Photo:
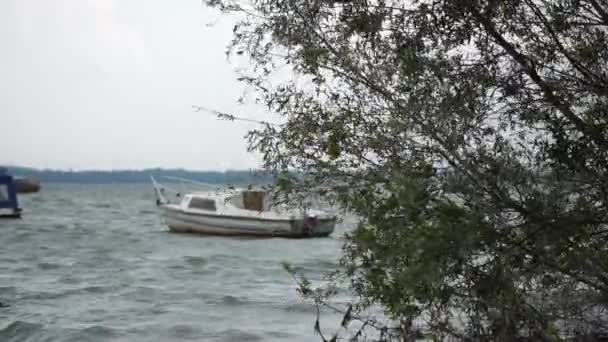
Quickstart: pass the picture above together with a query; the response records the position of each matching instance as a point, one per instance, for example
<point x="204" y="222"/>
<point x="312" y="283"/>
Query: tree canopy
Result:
<point x="471" y="139"/>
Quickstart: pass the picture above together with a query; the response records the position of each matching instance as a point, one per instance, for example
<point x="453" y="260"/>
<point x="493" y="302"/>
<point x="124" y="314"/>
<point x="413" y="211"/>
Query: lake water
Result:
<point x="95" y="263"/>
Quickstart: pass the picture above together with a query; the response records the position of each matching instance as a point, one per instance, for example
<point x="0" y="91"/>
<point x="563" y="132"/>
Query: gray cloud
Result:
<point x="110" y="84"/>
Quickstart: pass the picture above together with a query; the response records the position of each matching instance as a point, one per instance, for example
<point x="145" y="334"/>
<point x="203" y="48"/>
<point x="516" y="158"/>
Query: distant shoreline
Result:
<point x="139" y="176"/>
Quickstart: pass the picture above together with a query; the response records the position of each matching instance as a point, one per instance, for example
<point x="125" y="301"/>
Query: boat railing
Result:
<point x="161" y="189"/>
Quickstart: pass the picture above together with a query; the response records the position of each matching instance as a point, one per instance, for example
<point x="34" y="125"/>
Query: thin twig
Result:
<point x="228" y="116"/>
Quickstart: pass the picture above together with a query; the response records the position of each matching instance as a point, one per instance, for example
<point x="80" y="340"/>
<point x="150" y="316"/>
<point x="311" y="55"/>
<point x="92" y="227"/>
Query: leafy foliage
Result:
<point x="470" y="136"/>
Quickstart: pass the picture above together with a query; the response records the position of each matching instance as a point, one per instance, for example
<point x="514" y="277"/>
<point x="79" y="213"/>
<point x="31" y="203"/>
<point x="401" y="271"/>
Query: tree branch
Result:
<point x="548" y="90"/>
<point x="603" y="14"/>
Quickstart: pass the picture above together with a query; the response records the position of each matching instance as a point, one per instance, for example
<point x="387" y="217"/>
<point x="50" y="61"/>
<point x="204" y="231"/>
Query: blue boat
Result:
<point x="9" y="207"/>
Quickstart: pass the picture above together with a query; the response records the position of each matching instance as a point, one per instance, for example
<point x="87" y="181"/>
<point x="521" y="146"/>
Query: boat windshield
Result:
<point x="202" y="203"/>
<point x="3" y="192"/>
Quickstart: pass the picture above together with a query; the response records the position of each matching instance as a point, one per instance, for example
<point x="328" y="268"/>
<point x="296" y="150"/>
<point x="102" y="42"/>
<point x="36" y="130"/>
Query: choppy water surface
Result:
<point x="95" y="263"/>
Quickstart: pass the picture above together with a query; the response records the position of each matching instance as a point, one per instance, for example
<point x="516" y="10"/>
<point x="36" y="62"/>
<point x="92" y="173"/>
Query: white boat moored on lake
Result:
<point x="240" y="213"/>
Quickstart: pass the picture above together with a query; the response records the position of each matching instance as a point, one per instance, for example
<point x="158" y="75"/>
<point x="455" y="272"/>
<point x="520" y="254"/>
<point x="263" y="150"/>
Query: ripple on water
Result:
<point x="231" y="300"/>
<point x="301" y="308"/>
<point x="235" y="335"/>
<point x="144" y="294"/>
<point x="279" y="334"/>
<point x="147" y="211"/>
<point x="22" y="269"/>
<point x="37" y="199"/>
<point x="196" y="261"/>
<point x="8" y="260"/>
<point x="20" y="236"/>
<point x="69" y="279"/>
<point x="182" y="331"/>
<point x="67" y="201"/>
<point x="316" y="266"/>
<point x="47" y="295"/>
<point x="177" y="267"/>
<point x="49" y="266"/>
<point x="94" y="333"/>
<point x="8" y="290"/>
<point x="102" y="205"/>
<point x="60" y="226"/>
<point x="19" y="331"/>
<point x="98" y="289"/>
<point x="225" y="258"/>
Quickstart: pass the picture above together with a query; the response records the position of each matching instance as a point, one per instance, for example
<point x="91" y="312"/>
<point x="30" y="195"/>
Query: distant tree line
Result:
<point x="140" y="176"/>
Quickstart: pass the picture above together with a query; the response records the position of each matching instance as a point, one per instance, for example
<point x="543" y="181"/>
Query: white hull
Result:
<point x="187" y="222"/>
<point x="9" y="213"/>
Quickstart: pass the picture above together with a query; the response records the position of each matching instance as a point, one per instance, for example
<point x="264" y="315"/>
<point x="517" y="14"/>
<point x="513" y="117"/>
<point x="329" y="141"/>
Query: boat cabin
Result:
<point x="9" y="206"/>
<point x="251" y="200"/>
<point x="246" y="200"/>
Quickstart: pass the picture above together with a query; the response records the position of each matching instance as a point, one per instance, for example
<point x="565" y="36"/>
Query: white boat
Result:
<point x="239" y="213"/>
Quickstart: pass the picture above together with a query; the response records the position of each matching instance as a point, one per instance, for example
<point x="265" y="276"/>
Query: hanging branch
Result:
<point x="229" y="117"/>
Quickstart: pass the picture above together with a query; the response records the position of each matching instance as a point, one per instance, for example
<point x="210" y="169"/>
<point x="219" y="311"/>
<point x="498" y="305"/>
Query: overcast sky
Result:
<point x="109" y="84"/>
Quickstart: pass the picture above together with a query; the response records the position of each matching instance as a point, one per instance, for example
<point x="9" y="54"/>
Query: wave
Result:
<point x="20" y="331"/>
<point x="232" y="300"/>
<point x="196" y="261"/>
<point x="238" y="335"/>
<point x="182" y="331"/>
<point x="94" y="289"/>
<point x="49" y="266"/>
<point x="96" y="332"/>
<point x="7" y="290"/>
<point x="306" y="308"/>
<point x="317" y="266"/>
<point x="101" y="205"/>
